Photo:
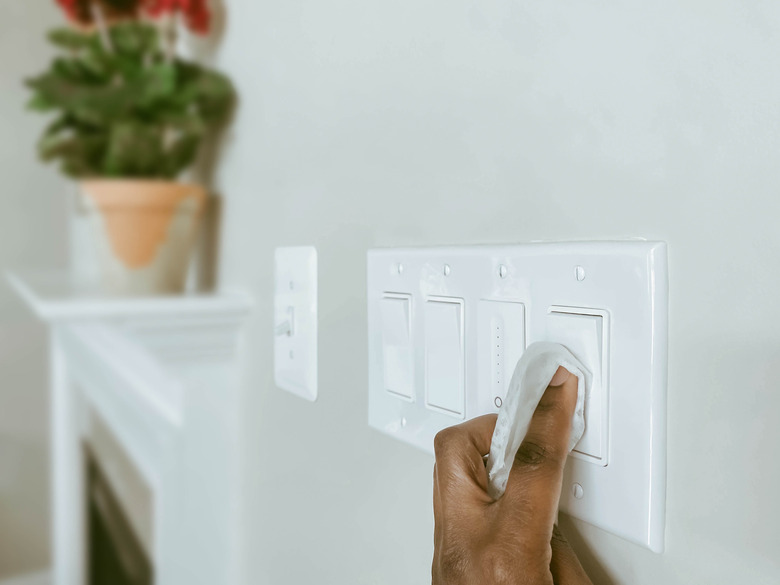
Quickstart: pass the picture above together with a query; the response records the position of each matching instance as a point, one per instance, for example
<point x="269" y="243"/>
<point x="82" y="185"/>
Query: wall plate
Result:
<point x="619" y="286"/>
<point x="295" y="313"/>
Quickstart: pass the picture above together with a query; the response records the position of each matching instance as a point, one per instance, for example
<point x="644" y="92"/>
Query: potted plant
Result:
<point x="129" y="117"/>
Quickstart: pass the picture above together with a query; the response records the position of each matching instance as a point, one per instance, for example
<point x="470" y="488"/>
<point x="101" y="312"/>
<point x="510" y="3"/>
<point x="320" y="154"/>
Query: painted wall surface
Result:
<point x="368" y="124"/>
<point x="33" y="208"/>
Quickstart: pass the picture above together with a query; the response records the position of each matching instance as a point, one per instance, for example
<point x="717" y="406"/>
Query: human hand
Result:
<point x="512" y="541"/>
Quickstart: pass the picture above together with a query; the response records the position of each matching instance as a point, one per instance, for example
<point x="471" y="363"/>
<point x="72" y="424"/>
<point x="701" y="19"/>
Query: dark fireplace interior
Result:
<point x="116" y="556"/>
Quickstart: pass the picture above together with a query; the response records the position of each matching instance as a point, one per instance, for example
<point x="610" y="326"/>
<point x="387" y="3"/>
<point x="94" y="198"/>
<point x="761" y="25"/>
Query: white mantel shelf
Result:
<point x="55" y="296"/>
<point x="162" y="375"/>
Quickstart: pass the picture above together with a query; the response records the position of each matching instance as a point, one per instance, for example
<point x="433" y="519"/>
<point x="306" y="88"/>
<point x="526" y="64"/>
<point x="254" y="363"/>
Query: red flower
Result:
<point x="80" y="11"/>
<point x="196" y="12"/>
<point x="76" y="10"/>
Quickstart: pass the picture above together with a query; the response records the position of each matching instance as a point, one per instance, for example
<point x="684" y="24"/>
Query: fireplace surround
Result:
<point x="115" y="555"/>
<point x="162" y="375"/>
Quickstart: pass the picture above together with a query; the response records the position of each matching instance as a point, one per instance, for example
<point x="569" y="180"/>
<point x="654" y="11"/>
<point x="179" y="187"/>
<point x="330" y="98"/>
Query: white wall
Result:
<point x="32" y="234"/>
<point x="468" y="121"/>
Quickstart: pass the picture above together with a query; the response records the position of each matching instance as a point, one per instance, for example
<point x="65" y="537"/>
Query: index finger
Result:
<point x="460" y="452"/>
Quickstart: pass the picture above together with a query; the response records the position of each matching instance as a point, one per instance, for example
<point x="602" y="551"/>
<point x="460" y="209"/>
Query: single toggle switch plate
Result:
<point x="295" y="327"/>
<point x="606" y="301"/>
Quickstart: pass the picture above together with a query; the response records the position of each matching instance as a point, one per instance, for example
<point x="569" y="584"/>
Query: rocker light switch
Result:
<point x="398" y="359"/>
<point x="444" y="355"/>
<point x="583" y="333"/>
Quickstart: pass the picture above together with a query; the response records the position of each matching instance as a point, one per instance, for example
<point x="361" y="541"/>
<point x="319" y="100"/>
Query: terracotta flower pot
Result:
<point x="144" y="231"/>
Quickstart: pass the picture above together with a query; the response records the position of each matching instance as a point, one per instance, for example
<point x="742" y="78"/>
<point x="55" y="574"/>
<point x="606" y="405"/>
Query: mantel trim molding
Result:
<point x="162" y="374"/>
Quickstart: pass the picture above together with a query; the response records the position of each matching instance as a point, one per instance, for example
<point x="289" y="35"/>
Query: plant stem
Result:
<point x="171" y="36"/>
<point x="102" y="27"/>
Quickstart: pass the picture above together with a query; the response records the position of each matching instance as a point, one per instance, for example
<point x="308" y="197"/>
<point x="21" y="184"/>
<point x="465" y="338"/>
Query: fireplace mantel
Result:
<point x="161" y="373"/>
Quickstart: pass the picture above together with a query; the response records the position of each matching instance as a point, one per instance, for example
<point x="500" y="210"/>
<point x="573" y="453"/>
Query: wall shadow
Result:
<point x="208" y="246"/>
<point x="207" y="250"/>
<point x="592" y="565"/>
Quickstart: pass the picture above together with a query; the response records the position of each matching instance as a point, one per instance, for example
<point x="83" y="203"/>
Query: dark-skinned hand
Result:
<point x="512" y="541"/>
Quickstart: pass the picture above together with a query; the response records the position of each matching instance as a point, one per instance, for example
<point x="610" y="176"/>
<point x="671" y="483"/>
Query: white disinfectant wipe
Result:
<point x="532" y="376"/>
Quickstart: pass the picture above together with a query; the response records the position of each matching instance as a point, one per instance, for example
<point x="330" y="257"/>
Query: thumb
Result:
<point x="537" y="471"/>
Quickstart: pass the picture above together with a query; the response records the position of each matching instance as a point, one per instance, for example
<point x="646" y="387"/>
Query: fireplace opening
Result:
<point x="115" y="553"/>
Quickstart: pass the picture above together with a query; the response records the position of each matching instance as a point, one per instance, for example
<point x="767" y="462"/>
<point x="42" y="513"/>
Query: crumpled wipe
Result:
<point x="532" y="376"/>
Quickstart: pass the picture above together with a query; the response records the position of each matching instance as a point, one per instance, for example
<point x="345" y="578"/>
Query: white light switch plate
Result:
<point x="621" y="290"/>
<point x="295" y="314"/>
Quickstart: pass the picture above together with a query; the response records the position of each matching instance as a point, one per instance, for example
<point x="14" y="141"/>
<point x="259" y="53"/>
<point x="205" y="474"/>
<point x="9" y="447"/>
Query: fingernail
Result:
<point x="560" y="377"/>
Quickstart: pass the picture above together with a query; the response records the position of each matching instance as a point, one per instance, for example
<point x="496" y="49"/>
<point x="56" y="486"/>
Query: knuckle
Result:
<point x="553" y="404"/>
<point x="444" y="441"/>
<point x="534" y="454"/>
<point x="440" y="442"/>
<point x="502" y="566"/>
<point x="494" y="564"/>
<point x="501" y="571"/>
<point x="549" y="404"/>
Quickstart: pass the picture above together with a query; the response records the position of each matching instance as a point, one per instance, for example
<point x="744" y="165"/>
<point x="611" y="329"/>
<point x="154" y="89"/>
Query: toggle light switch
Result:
<point x="287" y="327"/>
<point x="584" y="333"/>
<point x="397" y="350"/>
<point x="295" y="314"/>
<point x="444" y="355"/>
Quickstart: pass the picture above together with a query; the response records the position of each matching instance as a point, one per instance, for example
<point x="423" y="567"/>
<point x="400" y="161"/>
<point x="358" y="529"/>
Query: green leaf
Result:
<point x="134" y="150"/>
<point x="51" y="147"/>
<point x="68" y="38"/>
<point x="57" y="126"/>
<point x="66" y="68"/>
<point x="156" y="82"/>
<point x="38" y="103"/>
<point x="80" y="154"/>
<point x="96" y="66"/>
<point x="181" y="154"/>
<point x="212" y="92"/>
<point x="134" y="39"/>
